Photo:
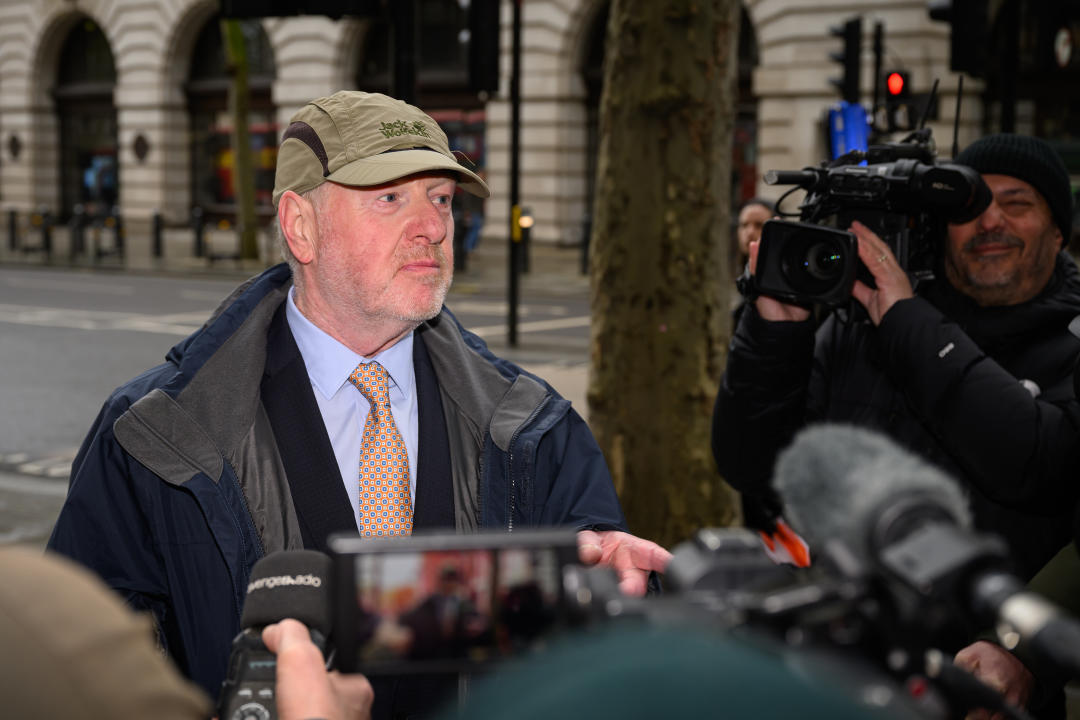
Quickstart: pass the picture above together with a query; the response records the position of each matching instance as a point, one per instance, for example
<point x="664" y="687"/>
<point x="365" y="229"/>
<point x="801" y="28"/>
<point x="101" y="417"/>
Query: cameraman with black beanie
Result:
<point x="973" y="369"/>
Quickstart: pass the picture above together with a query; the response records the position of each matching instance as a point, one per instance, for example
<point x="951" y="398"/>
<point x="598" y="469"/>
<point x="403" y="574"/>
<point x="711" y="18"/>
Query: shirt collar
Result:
<point x="329" y="363"/>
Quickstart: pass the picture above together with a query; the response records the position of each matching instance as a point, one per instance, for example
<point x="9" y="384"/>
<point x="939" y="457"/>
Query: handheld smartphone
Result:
<point x="433" y="603"/>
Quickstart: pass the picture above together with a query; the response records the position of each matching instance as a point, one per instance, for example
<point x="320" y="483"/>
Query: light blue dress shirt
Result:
<point x="344" y="408"/>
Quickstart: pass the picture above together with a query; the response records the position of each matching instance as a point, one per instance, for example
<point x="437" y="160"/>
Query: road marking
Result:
<point x="183" y="324"/>
<point x="33" y="486"/>
<point x="210" y="295"/>
<point x="174" y="324"/>
<point x="534" y="326"/>
<point x="38" y="283"/>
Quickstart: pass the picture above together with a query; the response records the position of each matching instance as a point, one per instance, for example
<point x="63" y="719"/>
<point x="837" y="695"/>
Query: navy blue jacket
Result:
<point x="200" y="466"/>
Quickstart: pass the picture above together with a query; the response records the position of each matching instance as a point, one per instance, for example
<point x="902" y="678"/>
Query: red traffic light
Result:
<point x="895" y="83"/>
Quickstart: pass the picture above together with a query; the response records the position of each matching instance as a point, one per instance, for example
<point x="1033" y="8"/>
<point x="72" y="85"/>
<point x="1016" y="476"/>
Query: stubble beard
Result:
<point x="990" y="282"/>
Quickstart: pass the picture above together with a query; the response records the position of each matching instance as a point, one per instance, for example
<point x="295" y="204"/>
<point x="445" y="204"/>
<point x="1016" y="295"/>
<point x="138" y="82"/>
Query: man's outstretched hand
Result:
<point x="631" y="557"/>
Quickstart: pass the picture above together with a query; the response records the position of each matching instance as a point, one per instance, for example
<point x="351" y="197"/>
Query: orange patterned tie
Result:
<point x="385" y="506"/>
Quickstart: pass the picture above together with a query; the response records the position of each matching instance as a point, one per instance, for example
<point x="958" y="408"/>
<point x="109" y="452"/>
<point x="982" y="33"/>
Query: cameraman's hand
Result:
<point x="997" y="667"/>
<point x="770" y="308"/>
<point x="892" y="282"/>
<point x="304" y="688"/>
<point x="631" y="557"/>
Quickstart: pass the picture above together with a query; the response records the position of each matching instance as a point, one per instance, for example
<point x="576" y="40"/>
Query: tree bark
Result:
<point x="660" y="275"/>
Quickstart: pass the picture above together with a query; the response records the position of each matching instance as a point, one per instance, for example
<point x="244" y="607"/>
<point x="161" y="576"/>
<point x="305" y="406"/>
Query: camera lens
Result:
<point x="824" y="261"/>
<point x="812" y="264"/>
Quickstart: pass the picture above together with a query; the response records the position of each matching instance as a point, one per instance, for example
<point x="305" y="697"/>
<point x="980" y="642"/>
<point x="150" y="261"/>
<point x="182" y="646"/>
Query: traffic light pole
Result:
<point x="850" y="58"/>
<point x="879" y="50"/>
<point x="515" y="173"/>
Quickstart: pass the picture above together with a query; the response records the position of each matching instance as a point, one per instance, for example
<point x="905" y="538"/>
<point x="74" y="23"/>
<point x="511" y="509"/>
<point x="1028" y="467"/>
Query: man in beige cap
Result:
<point x="332" y="394"/>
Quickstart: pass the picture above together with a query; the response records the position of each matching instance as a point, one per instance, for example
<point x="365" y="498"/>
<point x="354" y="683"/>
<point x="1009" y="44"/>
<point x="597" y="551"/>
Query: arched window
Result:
<point x="86" y="75"/>
<point x="211" y="123"/>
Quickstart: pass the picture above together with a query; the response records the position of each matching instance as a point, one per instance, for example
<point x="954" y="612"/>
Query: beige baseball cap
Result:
<point x="363" y="139"/>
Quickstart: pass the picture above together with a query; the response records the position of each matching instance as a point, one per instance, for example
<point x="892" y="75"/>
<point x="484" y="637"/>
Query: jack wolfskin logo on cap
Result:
<point x="400" y="127"/>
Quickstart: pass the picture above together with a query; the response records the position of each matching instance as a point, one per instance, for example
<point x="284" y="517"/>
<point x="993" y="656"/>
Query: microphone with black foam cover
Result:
<point x="908" y="524"/>
<point x="848" y="484"/>
<point x="288" y="584"/>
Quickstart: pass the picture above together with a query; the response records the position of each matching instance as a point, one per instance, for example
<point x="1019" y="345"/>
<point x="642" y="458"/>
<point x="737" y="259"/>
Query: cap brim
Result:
<point x="389" y="166"/>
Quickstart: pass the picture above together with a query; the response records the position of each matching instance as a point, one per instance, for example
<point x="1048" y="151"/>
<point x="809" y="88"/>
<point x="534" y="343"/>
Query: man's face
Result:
<point x="1006" y="255"/>
<point x="384" y="255"/>
<point x="751" y="218"/>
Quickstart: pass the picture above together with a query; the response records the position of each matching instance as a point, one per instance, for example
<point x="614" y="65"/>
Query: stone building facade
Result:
<point x="74" y="132"/>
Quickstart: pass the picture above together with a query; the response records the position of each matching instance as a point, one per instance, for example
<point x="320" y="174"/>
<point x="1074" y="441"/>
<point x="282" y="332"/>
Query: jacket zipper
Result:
<point x="510" y="458"/>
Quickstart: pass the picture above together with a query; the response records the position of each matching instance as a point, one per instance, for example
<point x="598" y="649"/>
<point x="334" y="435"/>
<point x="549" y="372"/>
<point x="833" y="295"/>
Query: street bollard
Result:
<point x="461" y="229"/>
<point x="75" y="230"/>
<point x="197" y="226"/>
<point x="46" y="232"/>
<point x="586" y="234"/>
<point x="13" y="231"/>
<point x="526" y="223"/>
<point x="118" y="232"/>
<point x="157" y="229"/>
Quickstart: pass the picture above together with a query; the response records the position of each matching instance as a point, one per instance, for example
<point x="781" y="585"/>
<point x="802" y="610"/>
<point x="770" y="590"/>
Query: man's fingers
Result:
<point x="648" y="555"/>
<point x="284" y="635"/>
<point x="633" y="582"/>
<point x="590" y="548"/>
<point x="862" y="292"/>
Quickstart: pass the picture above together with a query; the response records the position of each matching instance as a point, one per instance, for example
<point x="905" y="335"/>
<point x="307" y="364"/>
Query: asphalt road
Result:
<point x="71" y="337"/>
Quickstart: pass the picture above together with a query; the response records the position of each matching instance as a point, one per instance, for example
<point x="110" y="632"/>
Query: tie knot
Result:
<point x="373" y="381"/>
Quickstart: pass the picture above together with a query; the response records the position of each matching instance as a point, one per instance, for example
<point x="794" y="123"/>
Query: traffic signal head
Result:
<point x="896" y="83"/>
<point x="849" y="57"/>
<point x="969" y="36"/>
<point x="898" y="110"/>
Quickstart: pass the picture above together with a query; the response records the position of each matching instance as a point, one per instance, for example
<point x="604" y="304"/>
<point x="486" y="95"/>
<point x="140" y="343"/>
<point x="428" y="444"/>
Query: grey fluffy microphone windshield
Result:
<point x="857" y="486"/>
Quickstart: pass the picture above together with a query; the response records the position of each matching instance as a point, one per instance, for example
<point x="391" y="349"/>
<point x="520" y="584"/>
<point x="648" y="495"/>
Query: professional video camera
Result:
<point x="901" y="193"/>
<point x="518" y="596"/>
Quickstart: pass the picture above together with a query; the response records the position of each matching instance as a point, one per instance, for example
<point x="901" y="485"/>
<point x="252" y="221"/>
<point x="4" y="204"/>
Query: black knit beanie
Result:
<point x="1031" y="160"/>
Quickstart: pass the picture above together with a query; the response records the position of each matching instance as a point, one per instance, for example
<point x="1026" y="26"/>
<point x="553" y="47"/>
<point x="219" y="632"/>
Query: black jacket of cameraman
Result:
<point x="986" y="393"/>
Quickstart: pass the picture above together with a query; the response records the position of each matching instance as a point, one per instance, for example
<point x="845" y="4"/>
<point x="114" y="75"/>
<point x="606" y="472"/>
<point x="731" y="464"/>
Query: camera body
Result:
<point x="901" y="193"/>
<point x="248" y="691"/>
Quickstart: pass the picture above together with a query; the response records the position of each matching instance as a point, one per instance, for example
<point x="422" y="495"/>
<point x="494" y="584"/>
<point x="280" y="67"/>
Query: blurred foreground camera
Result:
<point x="900" y="193"/>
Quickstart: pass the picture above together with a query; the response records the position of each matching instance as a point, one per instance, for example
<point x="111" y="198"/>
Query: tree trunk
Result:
<point x="660" y="275"/>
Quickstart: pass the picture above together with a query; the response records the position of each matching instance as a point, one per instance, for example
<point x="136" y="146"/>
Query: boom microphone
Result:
<point x="909" y="523"/>
<point x="288" y="584"/>
<point x="845" y="483"/>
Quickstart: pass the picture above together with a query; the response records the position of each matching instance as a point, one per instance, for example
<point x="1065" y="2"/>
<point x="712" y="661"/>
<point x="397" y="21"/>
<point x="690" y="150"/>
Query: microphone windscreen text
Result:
<point x="288" y="584"/>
